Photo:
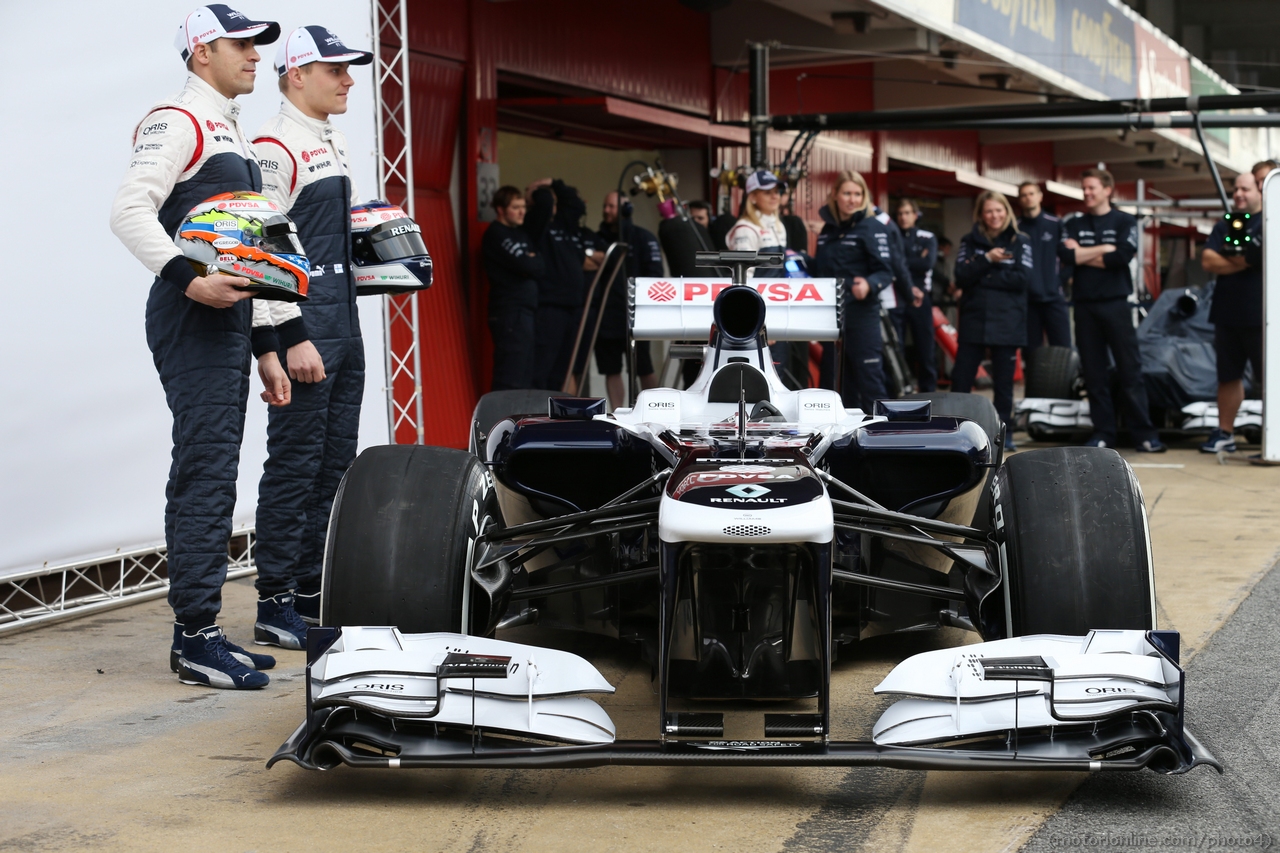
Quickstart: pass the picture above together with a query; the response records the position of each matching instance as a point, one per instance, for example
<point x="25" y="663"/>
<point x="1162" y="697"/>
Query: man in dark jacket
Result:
<point x="920" y="253"/>
<point x="1236" y="312"/>
<point x="1046" y="306"/>
<point x="643" y="260"/>
<point x="552" y="226"/>
<point x="513" y="267"/>
<point x="1100" y="244"/>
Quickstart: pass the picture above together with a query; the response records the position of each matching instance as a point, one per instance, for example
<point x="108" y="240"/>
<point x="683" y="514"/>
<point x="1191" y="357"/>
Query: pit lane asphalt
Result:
<point x="128" y="759"/>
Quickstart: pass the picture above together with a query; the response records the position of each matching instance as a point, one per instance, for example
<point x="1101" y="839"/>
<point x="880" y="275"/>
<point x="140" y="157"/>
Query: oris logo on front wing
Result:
<point x="660" y="404"/>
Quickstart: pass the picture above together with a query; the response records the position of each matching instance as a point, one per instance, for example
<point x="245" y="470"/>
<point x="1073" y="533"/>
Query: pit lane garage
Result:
<point x="741" y="535"/>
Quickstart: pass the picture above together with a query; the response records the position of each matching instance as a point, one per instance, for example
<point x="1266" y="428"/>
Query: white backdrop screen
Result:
<point x="84" y="430"/>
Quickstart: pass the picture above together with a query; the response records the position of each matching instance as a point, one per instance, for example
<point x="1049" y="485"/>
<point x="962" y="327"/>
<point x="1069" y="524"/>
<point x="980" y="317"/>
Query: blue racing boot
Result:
<point x="249" y="659"/>
<point x="206" y="659"/>
<point x="279" y="624"/>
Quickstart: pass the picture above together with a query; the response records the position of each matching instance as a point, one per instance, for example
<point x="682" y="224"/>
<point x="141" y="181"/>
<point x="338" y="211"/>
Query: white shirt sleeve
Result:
<point x="743" y="237"/>
<point x="162" y="149"/>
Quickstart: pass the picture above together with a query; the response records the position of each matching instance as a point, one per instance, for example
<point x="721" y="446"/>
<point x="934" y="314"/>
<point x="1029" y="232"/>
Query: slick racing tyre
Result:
<point x="1073" y="545"/>
<point x="1054" y="373"/>
<point x="499" y="405"/>
<point x="976" y="408"/>
<point x="400" y="540"/>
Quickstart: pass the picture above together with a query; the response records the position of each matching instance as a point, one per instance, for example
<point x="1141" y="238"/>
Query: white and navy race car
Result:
<point x="740" y="534"/>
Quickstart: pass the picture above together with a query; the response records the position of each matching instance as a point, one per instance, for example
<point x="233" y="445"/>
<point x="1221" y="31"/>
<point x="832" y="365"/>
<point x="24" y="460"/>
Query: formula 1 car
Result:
<point x="740" y="535"/>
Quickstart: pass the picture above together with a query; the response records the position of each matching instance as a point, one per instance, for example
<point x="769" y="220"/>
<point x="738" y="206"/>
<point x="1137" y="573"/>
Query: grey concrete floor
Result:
<point x="102" y="748"/>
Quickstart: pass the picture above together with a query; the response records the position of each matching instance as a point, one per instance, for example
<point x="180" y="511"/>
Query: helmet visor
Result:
<point x="280" y="237"/>
<point x="390" y="241"/>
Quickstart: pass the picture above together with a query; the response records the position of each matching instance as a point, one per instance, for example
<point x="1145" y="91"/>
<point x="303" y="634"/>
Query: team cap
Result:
<point x="217" y="21"/>
<point x="762" y="179"/>
<point x="316" y="44"/>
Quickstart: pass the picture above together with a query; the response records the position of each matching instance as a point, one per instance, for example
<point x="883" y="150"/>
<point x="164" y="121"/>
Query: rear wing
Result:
<point x="680" y="309"/>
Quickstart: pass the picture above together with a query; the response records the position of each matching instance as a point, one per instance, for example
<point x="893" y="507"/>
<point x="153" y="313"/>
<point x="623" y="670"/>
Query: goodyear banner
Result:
<point x="1090" y="41"/>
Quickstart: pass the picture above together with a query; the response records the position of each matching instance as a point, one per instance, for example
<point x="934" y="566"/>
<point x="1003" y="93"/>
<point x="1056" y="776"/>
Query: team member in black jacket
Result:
<point x="920" y="253"/>
<point x="552" y="225"/>
<point x="1236" y="312"/>
<point x="513" y="267"/>
<point x="854" y="247"/>
<point x="993" y="268"/>
<point x="643" y="260"/>
<point x="1100" y="244"/>
<point x="1046" y="306"/>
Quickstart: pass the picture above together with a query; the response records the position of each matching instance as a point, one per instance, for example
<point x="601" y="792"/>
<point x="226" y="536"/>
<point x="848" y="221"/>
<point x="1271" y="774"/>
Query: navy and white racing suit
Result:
<point x="312" y="441"/>
<point x="186" y="150"/>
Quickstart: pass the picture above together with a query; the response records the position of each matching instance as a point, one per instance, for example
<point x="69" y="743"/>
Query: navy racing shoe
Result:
<point x="1151" y="445"/>
<point x="279" y="623"/>
<point x="1097" y="441"/>
<point x="308" y="606"/>
<point x="1219" y="441"/>
<point x="249" y="659"/>
<point x="207" y="659"/>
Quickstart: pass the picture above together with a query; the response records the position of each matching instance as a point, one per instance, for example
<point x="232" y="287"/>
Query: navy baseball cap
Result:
<point x="316" y="44"/>
<point x="218" y="21"/>
<point x="762" y="179"/>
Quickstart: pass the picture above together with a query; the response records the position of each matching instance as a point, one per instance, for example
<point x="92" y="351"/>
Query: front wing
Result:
<point x="1112" y="700"/>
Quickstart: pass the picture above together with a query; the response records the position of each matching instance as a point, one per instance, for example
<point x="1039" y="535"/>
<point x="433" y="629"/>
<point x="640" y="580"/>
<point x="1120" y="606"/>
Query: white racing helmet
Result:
<point x="246" y="235"/>
<point x="387" y="250"/>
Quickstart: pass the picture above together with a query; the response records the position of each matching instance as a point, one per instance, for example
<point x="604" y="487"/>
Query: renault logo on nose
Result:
<point x="748" y="490"/>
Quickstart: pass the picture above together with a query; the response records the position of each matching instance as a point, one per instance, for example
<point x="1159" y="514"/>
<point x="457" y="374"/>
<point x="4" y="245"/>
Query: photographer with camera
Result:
<point x="1233" y="253"/>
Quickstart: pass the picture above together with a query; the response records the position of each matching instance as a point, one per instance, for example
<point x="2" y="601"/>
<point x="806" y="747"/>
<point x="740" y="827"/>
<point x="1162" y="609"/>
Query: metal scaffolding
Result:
<point x="395" y="167"/>
<point x="54" y="593"/>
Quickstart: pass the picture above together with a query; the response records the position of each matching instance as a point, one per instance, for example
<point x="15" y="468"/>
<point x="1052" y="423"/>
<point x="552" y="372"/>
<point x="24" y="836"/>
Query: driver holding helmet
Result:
<point x="186" y="150"/>
<point x="311" y="444"/>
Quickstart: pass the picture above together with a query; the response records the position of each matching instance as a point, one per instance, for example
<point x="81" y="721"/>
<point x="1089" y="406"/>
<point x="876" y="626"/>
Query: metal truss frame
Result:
<point x="54" y="593"/>
<point x="392" y="106"/>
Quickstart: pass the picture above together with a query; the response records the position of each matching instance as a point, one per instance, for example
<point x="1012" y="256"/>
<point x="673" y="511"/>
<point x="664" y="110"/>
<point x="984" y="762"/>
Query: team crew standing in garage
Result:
<point x="186" y="150"/>
<point x="852" y="246"/>
<point x="311" y="443"/>
<point x="1046" y="305"/>
<point x="513" y="266"/>
<point x="920" y="253"/>
<point x="993" y="267"/>
<point x="1236" y="312"/>
<point x="1099" y="245"/>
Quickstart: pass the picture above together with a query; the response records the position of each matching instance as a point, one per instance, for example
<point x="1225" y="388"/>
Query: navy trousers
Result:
<point x="1048" y="319"/>
<point x="1003" y="365"/>
<point x="556" y="327"/>
<point x="864" y="358"/>
<point x="203" y="357"/>
<point x="920" y="321"/>
<point x="514" y="346"/>
<point x="1103" y="326"/>
<point x="310" y="444"/>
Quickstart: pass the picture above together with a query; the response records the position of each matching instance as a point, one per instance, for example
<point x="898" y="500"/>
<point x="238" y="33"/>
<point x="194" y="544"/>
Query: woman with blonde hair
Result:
<point x="848" y="250"/>
<point x="759" y="226"/>
<point x="993" y="270"/>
